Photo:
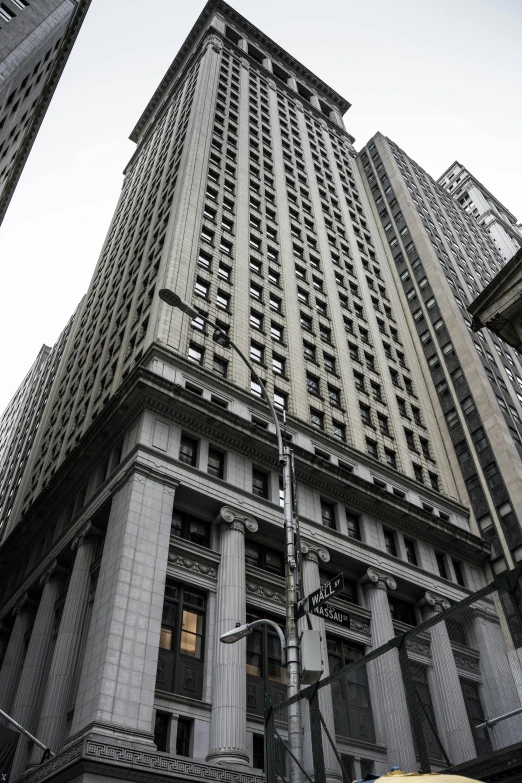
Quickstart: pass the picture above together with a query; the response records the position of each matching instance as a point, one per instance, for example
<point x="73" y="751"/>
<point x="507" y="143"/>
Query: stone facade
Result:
<point x="36" y="39"/>
<point x="154" y="482"/>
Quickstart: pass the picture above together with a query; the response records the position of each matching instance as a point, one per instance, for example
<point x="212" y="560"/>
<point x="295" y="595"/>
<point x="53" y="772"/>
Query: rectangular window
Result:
<point x="389" y="542"/>
<point x="354" y="528"/>
<point x="371" y="448"/>
<point x="195" y="353"/>
<point x="202" y="288"/>
<point x="257" y="352"/>
<point x="327" y="514"/>
<point x="216" y="463"/>
<point x="280" y="400"/>
<point x="317" y="418"/>
<point x="366" y="414"/>
<point x="183" y="733"/>
<point x="188" y="451"/>
<point x="334" y="395"/>
<point x="474" y="488"/>
<point x="411" y="555"/>
<point x="256" y="320"/>
<point x="220" y="366"/>
<point x="259" y="483"/>
<point x="278" y="364"/>
<point x="339" y="430"/>
<point x="223" y="300"/>
<point x="276" y="332"/>
<point x="441" y="564"/>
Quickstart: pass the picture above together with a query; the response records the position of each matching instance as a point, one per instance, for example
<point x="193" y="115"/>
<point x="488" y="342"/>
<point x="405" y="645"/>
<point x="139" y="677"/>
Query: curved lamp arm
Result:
<point x="174" y="300"/>
<point x="230" y="637"/>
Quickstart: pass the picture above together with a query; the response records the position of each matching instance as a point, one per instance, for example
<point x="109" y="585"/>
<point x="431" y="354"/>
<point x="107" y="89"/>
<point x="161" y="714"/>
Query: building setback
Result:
<point x="148" y="520"/>
<point x="497" y="221"/>
<point x="36" y="38"/>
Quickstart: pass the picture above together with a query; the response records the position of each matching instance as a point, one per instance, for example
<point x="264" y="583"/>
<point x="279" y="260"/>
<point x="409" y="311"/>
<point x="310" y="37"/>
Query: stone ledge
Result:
<point x="119" y="759"/>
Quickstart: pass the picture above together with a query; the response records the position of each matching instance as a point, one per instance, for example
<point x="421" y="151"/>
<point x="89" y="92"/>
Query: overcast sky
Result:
<point x="439" y="77"/>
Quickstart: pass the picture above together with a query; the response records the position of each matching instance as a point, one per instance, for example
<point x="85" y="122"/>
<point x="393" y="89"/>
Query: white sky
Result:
<point x="439" y="77"/>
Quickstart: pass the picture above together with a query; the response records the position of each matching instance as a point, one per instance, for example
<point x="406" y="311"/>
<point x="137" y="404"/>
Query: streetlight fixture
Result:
<point x="291" y="646"/>
<point x="240" y="631"/>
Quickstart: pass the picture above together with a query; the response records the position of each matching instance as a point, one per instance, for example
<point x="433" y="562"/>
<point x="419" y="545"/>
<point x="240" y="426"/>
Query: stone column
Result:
<point x="312" y="554"/>
<point x="60" y="682"/>
<point x="118" y="677"/>
<point x="448" y="701"/>
<point x="228" y="717"/>
<point x="23" y="612"/>
<point x="498" y="686"/>
<point x="390" y="710"/>
<point x="26" y="702"/>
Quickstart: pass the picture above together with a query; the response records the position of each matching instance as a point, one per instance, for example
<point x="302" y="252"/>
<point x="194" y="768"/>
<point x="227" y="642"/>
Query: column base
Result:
<point x="229" y="758"/>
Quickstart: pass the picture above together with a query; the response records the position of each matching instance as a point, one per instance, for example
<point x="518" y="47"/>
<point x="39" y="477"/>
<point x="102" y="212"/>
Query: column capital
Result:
<point x="374" y="579"/>
<point x="313" y="551"/>
<point x="235" y="519"/>
<point x="434" y="602"/>
<point x="25" y="602"/>
<point x="87" y="531"/>
<point x="55" y="571"/>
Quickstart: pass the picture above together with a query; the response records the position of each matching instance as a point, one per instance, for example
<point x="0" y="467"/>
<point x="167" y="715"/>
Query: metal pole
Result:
<point x="490" y="722"/>
<point x="290" y="529"/>
<point x="24" y="731"/>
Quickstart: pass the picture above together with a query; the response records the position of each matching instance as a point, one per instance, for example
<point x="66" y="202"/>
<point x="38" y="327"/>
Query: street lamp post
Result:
<point x="285" y="459"/>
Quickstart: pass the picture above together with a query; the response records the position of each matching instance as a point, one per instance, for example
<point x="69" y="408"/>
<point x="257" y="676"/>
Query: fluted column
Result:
<point x="450" y="710"/>
<point x="387" y="690"/>
<point x="313" y="553"/>
<point x="25" y="705"/>
<point x="499" y="689"/>
<point x="24" y="613"/>
<point x="228" y="717"/>
<point x="60" y="682"/>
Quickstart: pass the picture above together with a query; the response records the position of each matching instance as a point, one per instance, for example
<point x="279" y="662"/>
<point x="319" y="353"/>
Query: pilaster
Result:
<point x="117" y="683"/>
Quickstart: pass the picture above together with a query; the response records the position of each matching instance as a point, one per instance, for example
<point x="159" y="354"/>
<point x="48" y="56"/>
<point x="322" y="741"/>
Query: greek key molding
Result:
<point x="236" y="520"/>
<point x="161" y="762"/>
<point x="375" y="579"/>
<point x="314" y="551"/>
<point x="434" y="601"/>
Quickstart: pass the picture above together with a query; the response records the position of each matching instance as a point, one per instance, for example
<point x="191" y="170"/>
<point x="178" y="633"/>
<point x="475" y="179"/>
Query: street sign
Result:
<point x="319" y="597"/>
<point x="329" y="612"/>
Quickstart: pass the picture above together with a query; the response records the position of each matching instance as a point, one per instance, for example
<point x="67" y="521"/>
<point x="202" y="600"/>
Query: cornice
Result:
<point x="145" y="390"/>
<point x="255" y="34"/>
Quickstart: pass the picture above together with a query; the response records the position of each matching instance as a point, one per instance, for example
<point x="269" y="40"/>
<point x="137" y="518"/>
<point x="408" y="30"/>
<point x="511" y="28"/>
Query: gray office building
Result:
<point x="148" y="520"/>
<point x="36" y="38"/>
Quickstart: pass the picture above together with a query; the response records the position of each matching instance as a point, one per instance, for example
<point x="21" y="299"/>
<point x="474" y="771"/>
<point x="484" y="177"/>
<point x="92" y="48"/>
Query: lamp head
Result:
<point x="221" y="338"/>
<point x="174" y="300"/>
<point x="229" y="637"/>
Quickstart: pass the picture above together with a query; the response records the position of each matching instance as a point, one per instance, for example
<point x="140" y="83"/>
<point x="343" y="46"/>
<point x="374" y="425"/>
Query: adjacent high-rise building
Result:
<point x="20" y="422"/>
<point x="36" y="38"/>
<point x="148" y="520"/>
<point x="501" y="225"/>
<point x="441" y="260"/>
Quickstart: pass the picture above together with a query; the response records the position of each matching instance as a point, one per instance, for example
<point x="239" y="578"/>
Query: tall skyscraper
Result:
<point x="20" y="422"/>
<point x="442" y="260"/>
<point x="148" y="521"/>
<point x="36" y="38"/>
<point x="501" y="225"/>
